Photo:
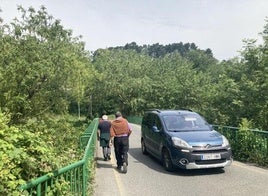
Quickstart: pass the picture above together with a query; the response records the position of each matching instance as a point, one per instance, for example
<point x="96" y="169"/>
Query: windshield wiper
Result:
<point x="174" y="130"/>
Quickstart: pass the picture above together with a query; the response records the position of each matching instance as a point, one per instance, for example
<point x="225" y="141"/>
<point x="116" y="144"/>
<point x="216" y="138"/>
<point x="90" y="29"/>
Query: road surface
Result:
<point x="147" y="177"/>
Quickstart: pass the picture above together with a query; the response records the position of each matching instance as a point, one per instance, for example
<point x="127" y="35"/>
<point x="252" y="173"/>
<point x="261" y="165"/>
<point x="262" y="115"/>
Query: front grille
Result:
<point x="207" y="162"/>
<point x="214" y="146"/>
<point x="210" y="151"/>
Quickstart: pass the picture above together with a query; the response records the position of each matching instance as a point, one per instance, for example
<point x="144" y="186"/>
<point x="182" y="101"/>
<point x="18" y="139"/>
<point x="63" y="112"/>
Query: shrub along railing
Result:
<point x="247" y="144"/>
<point x="72" y="179"/>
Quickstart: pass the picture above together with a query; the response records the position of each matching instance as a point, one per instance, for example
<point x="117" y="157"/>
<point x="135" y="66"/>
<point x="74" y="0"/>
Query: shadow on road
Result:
<point x="100" y="163"/>
<point x="153" y="163"/>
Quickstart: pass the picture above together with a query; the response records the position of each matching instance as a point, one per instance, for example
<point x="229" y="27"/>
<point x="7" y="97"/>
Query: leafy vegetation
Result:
<point x="42" y="65"/>
<point x="47" y="76"/>
<point x="132" y="79"/>
<point x="36" y="148"/>
<point x="41" y="71"/>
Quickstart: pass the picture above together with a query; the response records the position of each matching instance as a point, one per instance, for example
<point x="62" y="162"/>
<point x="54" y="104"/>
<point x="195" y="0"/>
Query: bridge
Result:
<point x="146" y="176"/>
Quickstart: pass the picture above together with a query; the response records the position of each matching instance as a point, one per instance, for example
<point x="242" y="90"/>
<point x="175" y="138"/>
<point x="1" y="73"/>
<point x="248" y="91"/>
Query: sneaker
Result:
<point x="105" y="158"/>
<point x="109" y="157"/>
<point x="124" y="168"/>
<point x="119" y="167"/>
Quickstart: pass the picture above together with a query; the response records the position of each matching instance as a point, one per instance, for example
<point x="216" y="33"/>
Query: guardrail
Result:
<point x="247" y="144"/>
<point x="135" y="119"/>
<point x="73" y="179"/>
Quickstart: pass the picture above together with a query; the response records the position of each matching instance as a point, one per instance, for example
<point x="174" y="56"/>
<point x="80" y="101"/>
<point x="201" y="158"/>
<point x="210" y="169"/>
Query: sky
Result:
<point x="220" y="25"/>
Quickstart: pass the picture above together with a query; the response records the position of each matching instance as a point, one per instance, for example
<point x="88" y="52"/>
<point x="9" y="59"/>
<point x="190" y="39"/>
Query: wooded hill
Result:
<point x="46" y="74"/>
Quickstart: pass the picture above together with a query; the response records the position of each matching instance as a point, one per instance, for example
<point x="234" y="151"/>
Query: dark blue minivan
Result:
<point x="183" y="139"/>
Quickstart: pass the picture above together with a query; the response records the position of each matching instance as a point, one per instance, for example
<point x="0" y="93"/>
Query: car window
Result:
<point x="185" y="122"/>
<point x="148" y="120"/>
<point x="158" y="123"/>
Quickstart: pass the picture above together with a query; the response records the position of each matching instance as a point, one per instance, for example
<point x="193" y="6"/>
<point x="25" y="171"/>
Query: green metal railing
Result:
<point x="135" y="119"/>
<point x="73" y="179"/>
<point x="247" y="145"/>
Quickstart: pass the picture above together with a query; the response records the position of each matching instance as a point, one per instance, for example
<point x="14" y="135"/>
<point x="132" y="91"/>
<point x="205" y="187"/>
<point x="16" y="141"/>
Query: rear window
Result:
<point x="185" y="122"/>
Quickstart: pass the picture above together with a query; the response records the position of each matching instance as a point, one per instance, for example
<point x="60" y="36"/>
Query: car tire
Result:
<point x="167" y="163"/>
<point x="143" y="148"/>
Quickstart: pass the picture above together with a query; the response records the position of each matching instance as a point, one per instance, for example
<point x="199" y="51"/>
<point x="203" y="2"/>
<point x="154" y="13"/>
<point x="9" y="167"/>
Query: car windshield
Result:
<point x="185" y="122"/>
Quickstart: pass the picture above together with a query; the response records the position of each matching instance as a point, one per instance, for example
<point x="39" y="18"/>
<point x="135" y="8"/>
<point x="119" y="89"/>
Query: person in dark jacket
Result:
<point x="104" y="137"/>
<point x="120" y="131"/>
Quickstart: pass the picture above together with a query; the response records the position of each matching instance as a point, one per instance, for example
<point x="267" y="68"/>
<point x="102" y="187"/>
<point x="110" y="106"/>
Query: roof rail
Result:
<point x="185" y="109"/>
<point x="154" y="110"/>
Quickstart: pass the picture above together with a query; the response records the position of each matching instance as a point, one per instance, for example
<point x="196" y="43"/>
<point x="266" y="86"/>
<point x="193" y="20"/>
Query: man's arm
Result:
<point x="111" y="141"/>
<point x="98" y="135"/>
<point x="112" y="134"/>
<point x="129" y="129"/>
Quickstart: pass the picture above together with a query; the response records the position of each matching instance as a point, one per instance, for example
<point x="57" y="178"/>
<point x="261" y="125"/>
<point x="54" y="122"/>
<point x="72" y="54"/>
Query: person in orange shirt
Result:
<point x="120" y="131"/>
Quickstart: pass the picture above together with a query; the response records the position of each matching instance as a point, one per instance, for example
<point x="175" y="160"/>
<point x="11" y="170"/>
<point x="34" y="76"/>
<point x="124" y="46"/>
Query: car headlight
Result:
<point x="225" y="142"/>
<point x="180" y="143"/>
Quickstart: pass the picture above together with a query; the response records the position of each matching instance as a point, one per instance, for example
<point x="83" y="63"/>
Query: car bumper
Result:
<point x="216" y="165"/>
<point x="193" y="160"/>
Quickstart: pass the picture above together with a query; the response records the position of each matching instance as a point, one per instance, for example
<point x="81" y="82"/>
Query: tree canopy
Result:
<point x="41" y="65"/>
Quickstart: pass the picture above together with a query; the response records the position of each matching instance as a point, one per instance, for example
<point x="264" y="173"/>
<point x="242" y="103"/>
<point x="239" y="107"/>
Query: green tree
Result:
<point x="121" y="80"/>
<point x="43" y="66"/>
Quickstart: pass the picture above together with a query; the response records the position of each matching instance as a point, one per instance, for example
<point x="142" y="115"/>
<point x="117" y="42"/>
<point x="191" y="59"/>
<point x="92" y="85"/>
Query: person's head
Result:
<point x="118" y="114"/>
<point x="104" y="117"/>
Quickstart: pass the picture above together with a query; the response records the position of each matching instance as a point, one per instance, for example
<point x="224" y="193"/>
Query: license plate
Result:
<point x="210" y="156"/>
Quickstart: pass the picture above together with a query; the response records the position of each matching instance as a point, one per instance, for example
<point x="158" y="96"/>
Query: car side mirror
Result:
<point x="155" y="129"/>
<point x="211" y="127"/>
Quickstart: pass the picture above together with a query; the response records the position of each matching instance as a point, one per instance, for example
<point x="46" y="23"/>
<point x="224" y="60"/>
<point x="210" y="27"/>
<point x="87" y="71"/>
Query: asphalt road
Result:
<point x="147" y="177"/>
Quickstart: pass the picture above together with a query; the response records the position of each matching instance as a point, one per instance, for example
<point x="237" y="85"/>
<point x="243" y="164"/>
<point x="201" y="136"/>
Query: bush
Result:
<point x="250" y="145"/>
<point x="36" y="148"/>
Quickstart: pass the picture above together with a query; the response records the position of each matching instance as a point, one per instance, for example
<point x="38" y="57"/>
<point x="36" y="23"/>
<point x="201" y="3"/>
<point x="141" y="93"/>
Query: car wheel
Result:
<point x="143" y="148"/>
<point x="167" y="163"/>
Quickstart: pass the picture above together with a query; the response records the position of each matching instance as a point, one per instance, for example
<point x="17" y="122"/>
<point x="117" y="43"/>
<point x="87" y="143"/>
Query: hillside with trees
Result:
<point x="51" y="87"/>
<point x="132" y="79"/>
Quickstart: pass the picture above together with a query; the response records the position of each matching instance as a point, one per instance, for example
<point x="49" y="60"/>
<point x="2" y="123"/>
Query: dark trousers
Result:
<point x="121" y="146"/>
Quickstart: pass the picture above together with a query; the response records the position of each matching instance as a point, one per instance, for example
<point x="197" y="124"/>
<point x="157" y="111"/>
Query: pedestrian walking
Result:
<point x="104" y="137"/>
<point x="120" y="132"/>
